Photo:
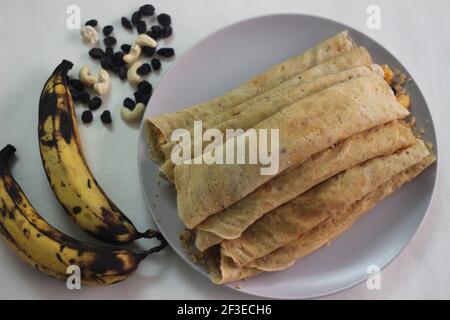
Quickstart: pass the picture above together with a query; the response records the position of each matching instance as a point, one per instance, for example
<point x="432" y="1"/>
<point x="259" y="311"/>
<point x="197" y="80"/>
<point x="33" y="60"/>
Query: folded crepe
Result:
<point x="255" y="110"/>
<point x="287" y="222"/>
<point x="159" y="128"/>
<point x="231" y="222"/>
<point x="306" y="127"/>
<point x="222" y="269"/>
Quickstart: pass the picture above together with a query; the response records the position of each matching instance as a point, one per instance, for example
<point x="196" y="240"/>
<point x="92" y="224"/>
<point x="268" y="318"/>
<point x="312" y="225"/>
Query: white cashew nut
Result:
<point x="132" y="76"/>
<point x="133" y="115"/>
<point x="86" y="77"/>
<point x="145" y="40"/>
<point x="104" y="82"/>
<point x="89" y="34"/>
<point x="133" y="55"/>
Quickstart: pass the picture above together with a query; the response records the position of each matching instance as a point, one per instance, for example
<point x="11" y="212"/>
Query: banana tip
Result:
<point x="6" y="153"/>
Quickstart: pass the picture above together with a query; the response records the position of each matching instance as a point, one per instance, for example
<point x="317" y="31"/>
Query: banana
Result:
<point x="50" y="251"/>
<point x="67" y="170"/>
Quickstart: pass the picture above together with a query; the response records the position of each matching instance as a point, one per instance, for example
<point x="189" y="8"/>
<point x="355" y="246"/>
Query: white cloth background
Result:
<point x="35" y="38"/>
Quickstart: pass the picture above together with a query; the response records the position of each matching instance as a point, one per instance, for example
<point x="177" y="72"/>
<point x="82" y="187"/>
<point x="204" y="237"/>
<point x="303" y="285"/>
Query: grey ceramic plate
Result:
<point x="229" y="57"/>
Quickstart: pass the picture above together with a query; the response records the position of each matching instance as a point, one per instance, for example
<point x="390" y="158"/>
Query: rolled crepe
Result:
<point x="247" y="114"/>
<point x="287" y="222"/>
<point x="255" y="110"/>
<point x="306" y="127"/>
<point x="159" y="128"/>
<point x="231" y="222"/>
<point x="224" y="270"/>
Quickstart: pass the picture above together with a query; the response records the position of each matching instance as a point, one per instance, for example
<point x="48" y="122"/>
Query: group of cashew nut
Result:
<point x="101" y="82"/>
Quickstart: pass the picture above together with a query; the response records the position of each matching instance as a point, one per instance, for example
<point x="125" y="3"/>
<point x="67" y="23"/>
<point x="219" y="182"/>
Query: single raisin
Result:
<point x="106" y="63"/>
<point x="166" y="31"/>
<point x="95" y="103"/>
<point x="164" y="19"/>
<point x="129" y="103"/>
<point x="110" y="41"/>
<point x="107" y="30"/>
<point x="109" y="51"/>
<point x="126" y="23"/>
<point x="96" y="53"/>
<point x="166" y="52"/>
<point x="125" y="48"/>
<point x="148" y="51"/>
<point x="76" y="84"/>
<point x="141" y="26"/>
<point x="147" y="10"/>
<point x="144" y="69"/>
<point x="106" y="117"/>
<point x="156" y="64"/>
<point x="123" y="72"/>
<point x="93" y="23"/>
<point x="136" y="17"/>
<point x="145" y="87"/>
<point x="87" y="116"/>
<point x="84" y="97"/>
<point x="156" y="32"/>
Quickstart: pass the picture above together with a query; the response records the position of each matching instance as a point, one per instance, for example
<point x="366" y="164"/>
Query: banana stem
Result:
<point x="150" y="234"/>
<point x="5" y="154"/>
<point x="148" y="252"/>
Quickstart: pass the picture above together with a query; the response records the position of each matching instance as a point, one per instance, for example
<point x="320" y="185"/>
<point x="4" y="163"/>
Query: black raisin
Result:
<point x="129" y="103"/>
<point x="84" y="97"/>
<point x="125" y="48"/>
<point x="123" y="72"/>
<point x="147" y="10"/>
<point x="145" y="87"/>
<point x="144" y="69"/>
<point x="95" y="103"/>
<point x="148" y="51"/>
<point x="75" y="94"/>
<point x="110" y="41"/>
<point x="141" y="27"/>
<point x="156" y="64"/>
<point x="126" y="23"/>
<point x="136" y="17"/>
<point x="107" y="30"/>
<point x="76" y="84"/>
<point x="109" y="51"/>
<point x="106" y="63"/>
<point x="117" y="58"/>
<point x="166" y="31"/>
<point x="93" y="23"/>
<point x="87" y="116"/>
<point x="106" y="117"/>
<point x="96" y="53"/>
<point x="166" y="52"/>
<point x="156" y="32"/>
<point x="141" y="97"/>
<point x="164" y="19"/>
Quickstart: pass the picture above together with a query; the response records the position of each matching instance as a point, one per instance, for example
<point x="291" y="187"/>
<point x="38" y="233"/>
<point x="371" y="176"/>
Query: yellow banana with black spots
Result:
<point x="50" y="251"/>
<point x="67" y="171"/>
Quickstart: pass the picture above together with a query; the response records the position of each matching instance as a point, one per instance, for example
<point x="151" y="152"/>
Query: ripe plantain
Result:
<point x="67" y="170"/>
<point x="50" y="251"/>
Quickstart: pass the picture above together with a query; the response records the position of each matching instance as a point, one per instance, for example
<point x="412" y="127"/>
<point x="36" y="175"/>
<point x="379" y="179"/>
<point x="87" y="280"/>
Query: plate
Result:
<point x="235" y="54"/>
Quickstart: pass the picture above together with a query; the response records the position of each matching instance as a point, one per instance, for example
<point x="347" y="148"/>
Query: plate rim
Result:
<point x="141" y="138"/>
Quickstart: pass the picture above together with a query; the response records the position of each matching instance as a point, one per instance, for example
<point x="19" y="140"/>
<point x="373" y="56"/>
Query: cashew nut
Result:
<point x="133" y="115"/>
<point x="86" y="77"/>
<point x="133" y="55"/>
<point x="132" y="76"/>
<point x="89" y="34"/>
<point x="104" y="82"/>
<point x="145" y="40"/>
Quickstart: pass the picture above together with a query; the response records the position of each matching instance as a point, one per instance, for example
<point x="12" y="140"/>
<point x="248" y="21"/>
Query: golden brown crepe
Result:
<point x="160" y="127"/>
<point x="306" y="127"/>
<point x="224" y="270"/>
<point x="231" y="222"/>
<point x="285" y="223"/>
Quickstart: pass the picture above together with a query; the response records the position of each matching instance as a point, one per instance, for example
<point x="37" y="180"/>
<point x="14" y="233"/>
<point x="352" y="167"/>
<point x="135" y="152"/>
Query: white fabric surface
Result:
<point x="35" y="38"/>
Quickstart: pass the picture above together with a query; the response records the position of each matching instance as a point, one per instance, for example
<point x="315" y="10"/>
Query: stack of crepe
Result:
<point x="344" y="146"/>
